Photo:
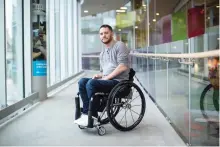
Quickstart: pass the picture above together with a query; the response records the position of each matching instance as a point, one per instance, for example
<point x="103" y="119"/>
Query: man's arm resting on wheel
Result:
<point x="120" y="68"/>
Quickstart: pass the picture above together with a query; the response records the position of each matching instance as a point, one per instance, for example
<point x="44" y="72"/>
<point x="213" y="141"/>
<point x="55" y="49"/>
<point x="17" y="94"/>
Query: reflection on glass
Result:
<point x="205" y="106"/>
<point x="14" y="51"/>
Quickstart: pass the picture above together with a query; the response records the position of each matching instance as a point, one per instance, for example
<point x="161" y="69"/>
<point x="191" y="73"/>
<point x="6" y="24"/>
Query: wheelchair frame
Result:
<point x="101" y="130"/>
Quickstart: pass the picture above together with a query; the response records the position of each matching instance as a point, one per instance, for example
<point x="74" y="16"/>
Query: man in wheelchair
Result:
<point x="114" y="67"/>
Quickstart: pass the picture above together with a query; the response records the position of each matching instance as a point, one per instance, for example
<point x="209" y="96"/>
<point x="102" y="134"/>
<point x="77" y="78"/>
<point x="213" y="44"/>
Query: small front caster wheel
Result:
<point x="81" y="127"/>
<point x="101" y="130"/>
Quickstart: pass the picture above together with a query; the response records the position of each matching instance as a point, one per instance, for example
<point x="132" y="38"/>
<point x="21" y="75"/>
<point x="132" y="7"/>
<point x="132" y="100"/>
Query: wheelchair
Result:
<point x="109" y="105"/>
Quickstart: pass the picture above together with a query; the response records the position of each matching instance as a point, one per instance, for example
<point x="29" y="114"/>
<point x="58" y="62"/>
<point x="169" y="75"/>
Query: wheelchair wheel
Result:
<point x="121" y="101"/>
<point x="209" y="103"/>
<point x="104" y="119"/>
<point x="101" y="130"/>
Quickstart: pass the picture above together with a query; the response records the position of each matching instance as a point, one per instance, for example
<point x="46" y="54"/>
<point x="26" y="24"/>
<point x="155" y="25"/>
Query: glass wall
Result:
<point x="60" y="18"/>
<point x="187" y="93"/>
<point x="32" y="31"/>
<point x="14" y="51"/>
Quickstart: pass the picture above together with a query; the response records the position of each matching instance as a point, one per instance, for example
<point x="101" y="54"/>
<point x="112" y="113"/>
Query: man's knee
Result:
<point x="91" y="83"/>
<point x="82" y="82"/>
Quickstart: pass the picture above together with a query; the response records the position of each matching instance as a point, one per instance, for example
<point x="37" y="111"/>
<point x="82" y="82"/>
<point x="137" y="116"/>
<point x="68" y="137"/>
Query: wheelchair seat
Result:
<point x="124" y="91"/>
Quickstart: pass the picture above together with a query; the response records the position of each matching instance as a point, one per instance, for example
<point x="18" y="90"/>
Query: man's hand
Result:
<point x="97" y="76"/>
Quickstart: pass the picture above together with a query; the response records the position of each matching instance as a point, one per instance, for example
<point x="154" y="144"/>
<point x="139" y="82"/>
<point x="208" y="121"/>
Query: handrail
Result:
<point x="90" y="56"/>
<point x="213" y="53"/>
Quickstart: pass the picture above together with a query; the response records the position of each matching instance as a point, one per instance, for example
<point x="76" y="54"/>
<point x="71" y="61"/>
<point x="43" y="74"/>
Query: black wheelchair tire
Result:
<point x="202" y="99"/>
<point x="111" y="97"/>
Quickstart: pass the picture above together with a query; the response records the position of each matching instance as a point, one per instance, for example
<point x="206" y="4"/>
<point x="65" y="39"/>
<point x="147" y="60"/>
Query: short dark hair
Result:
<point x="106" y="26"/>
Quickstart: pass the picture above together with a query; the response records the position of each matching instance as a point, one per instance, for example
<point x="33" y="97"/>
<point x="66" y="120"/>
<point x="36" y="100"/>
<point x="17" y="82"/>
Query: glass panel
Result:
<point x="203" y="25"/>
<point x="70" y="38"/>
<point x="161" y="74"/>
<point x="152" y="71"/>
<point x="63" y="38"/>
<point x="52" y="41"/>
<point x="57" y="41"/>
<point x="2" y="56"/>
<point x="48" y="15"/>
<point x="212" y="23"/>
<point x="205" y="104"/>
<point x="66" y="30"/>
<point x="14" y="51"/>
<point x="176" y="105"/>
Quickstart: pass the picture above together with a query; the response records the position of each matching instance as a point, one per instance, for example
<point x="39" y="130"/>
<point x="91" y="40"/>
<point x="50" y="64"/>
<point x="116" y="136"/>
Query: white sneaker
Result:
<point x="82" y="121"/>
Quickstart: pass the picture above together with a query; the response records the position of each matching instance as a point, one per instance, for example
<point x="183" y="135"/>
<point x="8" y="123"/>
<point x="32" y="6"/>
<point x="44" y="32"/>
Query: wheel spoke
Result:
<point x="134" y="112"/>
<point x="126" y="118"/>
<point x="135" y="105"/>
<point x="131" y="115"/>
<point x="134" y="99"/>
<point x="120" y="110"/>
<point x="119" y="104"/>
<point x="121" y="119"/>
<point x="114" y="111"/>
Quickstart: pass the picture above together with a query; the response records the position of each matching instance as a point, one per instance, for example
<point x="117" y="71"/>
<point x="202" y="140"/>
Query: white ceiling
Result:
<point x="98" y="6"/>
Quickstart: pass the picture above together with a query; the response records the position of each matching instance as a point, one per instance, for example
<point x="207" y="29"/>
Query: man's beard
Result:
<point x="107" y="42"/>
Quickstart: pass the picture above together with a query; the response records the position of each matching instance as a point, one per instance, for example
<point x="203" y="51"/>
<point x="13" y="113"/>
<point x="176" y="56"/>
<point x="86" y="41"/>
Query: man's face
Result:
<point x="106" y="35"/>
<point x="215" y="62"/>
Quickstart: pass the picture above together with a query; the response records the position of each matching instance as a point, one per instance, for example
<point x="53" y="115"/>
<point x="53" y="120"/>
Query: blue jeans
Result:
<point x="88" y="87"/>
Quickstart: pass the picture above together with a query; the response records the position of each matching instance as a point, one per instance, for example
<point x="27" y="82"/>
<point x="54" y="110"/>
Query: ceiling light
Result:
<point x="144" y="5"/>
<point x="218" y="38"/>
<point x="208" y="17"/>
<point x="120" y="11"/>
<point x="124" y="8"/>
<point x="154" y="20"/>
<point x="136" y="27"/>
<point x="217" y="6"/>
<point x="86" y="11"/>
<point x="119" y="30"/>
<point x="157" y="14"/>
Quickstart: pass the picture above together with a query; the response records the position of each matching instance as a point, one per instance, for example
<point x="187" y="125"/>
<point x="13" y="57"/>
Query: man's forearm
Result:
<point x="121" y="68"/>
<point x="101" y="74"/>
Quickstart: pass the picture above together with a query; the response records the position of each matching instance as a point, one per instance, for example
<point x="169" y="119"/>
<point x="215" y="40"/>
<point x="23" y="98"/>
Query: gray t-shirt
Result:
<point x="111" y="57"/>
